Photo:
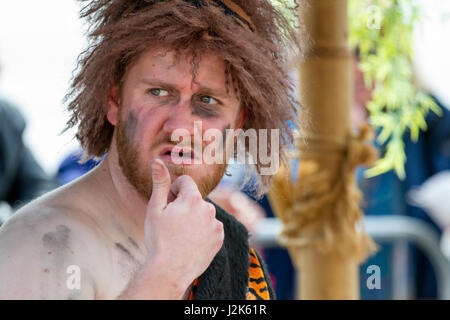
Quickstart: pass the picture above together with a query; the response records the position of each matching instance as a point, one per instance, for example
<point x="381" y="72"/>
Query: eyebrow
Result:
<point x="202" y="89"/>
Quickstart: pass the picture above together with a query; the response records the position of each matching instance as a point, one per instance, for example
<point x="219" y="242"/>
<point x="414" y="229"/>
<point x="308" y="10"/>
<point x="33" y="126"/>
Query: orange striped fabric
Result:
<point x="191" y="295"/>
<point x="257" y="285"/>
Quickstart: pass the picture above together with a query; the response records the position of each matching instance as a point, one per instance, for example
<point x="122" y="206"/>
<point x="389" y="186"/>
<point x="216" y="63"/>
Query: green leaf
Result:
<point x="386" y="61"/>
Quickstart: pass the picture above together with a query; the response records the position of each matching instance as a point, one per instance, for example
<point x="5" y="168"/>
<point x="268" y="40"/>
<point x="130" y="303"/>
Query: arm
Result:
<point x="154" y="282"/>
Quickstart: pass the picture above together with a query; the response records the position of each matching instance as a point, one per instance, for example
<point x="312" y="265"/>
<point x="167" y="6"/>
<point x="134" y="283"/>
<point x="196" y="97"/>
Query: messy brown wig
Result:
<point x="256" y="60"/>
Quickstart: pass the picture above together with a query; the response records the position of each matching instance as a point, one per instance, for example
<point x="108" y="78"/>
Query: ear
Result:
<point x="242" y="119"/>
<point x="113" y="106"/>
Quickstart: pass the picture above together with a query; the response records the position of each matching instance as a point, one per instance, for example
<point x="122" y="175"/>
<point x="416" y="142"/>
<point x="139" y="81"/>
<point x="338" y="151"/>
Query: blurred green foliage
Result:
<point x="382" y="30"/>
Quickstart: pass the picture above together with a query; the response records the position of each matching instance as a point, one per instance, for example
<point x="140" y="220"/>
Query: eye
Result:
<point x="159" y="92"/>
<point x="208" y="100"/>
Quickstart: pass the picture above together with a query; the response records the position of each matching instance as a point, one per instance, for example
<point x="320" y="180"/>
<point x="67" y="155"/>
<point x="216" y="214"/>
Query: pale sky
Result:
<point x="432" y="48"/>
<point x="40" y="42"/>
<point x="39" y="45"/>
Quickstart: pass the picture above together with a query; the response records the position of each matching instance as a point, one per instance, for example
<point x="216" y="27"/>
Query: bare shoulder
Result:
<point x="44" y="245"/>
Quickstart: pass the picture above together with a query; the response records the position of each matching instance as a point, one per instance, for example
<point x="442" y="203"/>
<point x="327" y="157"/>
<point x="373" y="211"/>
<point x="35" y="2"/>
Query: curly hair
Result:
<point x="256" y="60"/>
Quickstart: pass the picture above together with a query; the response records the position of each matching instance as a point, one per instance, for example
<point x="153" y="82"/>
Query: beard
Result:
<point x="139" y="175"/>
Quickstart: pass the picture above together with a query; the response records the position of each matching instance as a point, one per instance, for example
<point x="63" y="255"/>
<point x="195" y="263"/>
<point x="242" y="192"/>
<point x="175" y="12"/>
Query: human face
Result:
<point x="159" y="96"/>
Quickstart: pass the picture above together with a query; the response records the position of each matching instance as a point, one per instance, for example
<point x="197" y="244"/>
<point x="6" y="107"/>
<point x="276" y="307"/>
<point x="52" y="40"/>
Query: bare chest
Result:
<point x="126" y="258"/>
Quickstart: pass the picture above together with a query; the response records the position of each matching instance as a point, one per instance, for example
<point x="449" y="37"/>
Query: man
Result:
<point x="139" y="225"/>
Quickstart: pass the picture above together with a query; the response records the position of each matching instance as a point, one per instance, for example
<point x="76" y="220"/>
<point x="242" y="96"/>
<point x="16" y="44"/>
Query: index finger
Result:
<point x="184" y="187"/>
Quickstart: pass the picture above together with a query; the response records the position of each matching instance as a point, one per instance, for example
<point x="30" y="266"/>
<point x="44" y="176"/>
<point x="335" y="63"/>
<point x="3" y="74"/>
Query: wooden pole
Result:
<point x="326" y="91"/>
<point x="321" y="213"/>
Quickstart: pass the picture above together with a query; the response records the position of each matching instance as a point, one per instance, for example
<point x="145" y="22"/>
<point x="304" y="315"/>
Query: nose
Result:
<point x="180" y="119"/>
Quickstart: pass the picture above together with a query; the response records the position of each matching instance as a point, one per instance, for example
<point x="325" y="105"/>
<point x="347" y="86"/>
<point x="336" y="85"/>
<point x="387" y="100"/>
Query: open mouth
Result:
<point x="177" y="155"/>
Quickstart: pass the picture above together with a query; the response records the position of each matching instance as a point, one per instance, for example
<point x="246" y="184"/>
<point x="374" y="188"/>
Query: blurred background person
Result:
<point x="386" y="194"/>
<point x="21" y="177"/>
<point x="70" y="168"/>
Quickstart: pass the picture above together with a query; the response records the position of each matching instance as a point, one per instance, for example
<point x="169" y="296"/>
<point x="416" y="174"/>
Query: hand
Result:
<point x="181" y="230"/>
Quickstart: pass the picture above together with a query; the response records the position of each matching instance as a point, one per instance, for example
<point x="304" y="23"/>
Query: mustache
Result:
<point x="186" y="142"/>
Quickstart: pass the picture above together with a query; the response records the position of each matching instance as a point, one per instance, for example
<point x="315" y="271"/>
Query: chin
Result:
<point x="179" y="170"/>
